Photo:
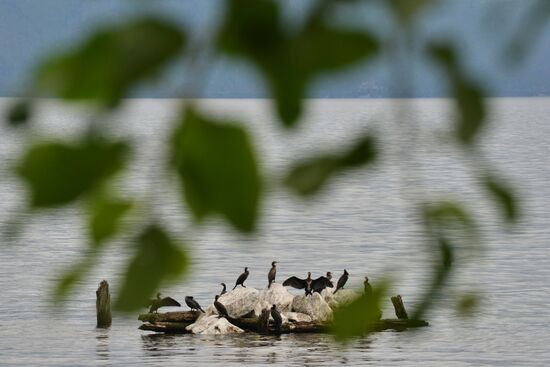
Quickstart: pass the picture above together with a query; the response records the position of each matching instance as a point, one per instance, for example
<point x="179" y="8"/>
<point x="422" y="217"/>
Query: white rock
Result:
<point x="213" y="325"/>
<point x="261" y="305"/>
<point x="340" y="298"/>
<point x="240" y="301"/>
<point x="314" y="306"/>
<point x="296" y="316"/>
<point x="277" y="295"/>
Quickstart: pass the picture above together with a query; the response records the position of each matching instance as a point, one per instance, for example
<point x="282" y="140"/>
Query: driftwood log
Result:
<point x="103" y="305"/>
<point x="176" y="322"/>
<point x="400" y="311"/>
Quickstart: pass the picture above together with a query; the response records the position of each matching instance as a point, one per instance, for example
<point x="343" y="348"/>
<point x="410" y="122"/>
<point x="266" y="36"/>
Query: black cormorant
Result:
<point x="194" y="305"/>
<point x="321" y="283"/>
<point x="298" y="283"/>
<point x="162" y="302"/>
<point x="222" y="311"/>
<point x="277" y="318"/>
<point x="223" y="290"/>
<point x="342" y="281"/>
<point x="242" y="278"/>
<point x="271" y="274"/>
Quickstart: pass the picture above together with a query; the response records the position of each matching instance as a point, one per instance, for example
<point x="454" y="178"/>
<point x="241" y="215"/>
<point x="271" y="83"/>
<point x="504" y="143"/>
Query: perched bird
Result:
<point x="162" y="302"/>
<point x="277" y="318"/>
<point x="271" y="274"/>
<point x="329" y="275"/>
<point x="223" y="290"/>
<point x="194" y="305"/>
<point x="242" y="278"/>
<point x="368" y="287"/>
<point x="222" y="311"/>
<point x="321" y="283"/>
<point x="342" y="281"/>
<point x="298" y="283"/>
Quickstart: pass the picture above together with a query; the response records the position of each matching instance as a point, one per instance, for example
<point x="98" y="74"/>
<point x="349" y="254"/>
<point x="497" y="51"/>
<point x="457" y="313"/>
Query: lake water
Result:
<point x="364" y="221"/>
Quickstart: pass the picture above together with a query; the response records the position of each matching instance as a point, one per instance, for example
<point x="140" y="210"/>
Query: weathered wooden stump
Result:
<point x="400" y="311"/>
<point x="103" y="305"/>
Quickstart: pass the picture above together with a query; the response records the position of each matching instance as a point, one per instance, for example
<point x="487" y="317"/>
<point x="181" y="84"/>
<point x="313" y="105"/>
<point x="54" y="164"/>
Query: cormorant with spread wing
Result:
<point x="342" y="281"/>
<point x="298" y="283"/>
<point x="162" y="302"/>
<point x="242" y="278"/>
<point x="321" y="283"/>
<point x="194" y="305"/>
<point x="271" y="274"/>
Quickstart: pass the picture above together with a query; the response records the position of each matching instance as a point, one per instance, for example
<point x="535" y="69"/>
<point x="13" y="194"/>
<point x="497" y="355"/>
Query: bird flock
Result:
<point x="309" y="284"/>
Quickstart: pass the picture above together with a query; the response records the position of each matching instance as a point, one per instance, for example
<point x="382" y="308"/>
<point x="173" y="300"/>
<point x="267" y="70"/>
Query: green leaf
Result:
<point x="105" y="216"/>
<point x="359" y="317"/>
<point x="407" y="10"/>
<point x="468" y="95"/>
<point x="447" y="214"/>
<point x="448" y="228"/>
<point x="71" y="277"/>
<point x="110" y="62"/>
<point x="19" y="113"/>
<point x="504" y="196"/>
<point x="58" y="173"/>
<point x="218" y="171"/>
<point x="467" y="304"/>
<point x="158" y="260"/>
<point x="469" y="98"/>
<point x="289" y="61"/>
<point x="309" y="177"/>
<point x="363" y="152"/>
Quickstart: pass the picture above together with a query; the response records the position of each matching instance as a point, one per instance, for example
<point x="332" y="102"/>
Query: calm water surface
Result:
<point x="364" y="222"/>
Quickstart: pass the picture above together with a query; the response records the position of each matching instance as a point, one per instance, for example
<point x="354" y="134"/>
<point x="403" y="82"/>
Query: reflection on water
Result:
<point x="102" y="345"/>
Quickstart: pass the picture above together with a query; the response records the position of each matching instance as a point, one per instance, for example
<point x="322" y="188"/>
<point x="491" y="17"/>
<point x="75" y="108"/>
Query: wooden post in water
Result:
<point x="400" y="311"/>
<point x="103" y="305"/>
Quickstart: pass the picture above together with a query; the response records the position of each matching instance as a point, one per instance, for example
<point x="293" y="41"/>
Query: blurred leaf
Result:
<point x="73" y="276"/>
<point x="158" y="259"/>
<point x="468" y="95"/>
<point x="530" y="29"/>
<point x="308" y="177"/>
<point x="19" y="113"/>
<point x="407" y="10"/>
<point x="442" y="270"/>
<point x="218" y="170"/>
<point x="448" y="214"/>
<point x="363" y="152"/>
<point x="253" y="29"/>
<point x="504" y="196"/>
<point x="58" y="173"/>
<point x="469" y="98"/>
<point x="467" y="304"/>
<point x="448" y="226"/>
<point x="359" y="317"/>
<point x="111" y="61"/>
<point x="105" y="216"/>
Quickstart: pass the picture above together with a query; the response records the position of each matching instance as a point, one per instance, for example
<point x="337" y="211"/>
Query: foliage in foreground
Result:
<point x="218" y="169"/>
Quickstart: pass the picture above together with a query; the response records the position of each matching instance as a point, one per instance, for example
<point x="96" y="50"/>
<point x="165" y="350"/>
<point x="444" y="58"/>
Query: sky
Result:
<point x="31" y="29"/>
